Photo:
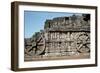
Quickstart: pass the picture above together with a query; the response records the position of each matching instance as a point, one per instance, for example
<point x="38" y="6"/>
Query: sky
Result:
<point x="34" y="20"/>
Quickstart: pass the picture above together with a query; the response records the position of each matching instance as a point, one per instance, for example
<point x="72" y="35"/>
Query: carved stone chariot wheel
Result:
<point x="37" y="47"/>
<point x="83" y="43"/>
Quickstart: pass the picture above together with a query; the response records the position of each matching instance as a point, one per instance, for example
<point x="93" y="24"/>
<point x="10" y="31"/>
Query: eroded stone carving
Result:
<point x="61" y="37"/>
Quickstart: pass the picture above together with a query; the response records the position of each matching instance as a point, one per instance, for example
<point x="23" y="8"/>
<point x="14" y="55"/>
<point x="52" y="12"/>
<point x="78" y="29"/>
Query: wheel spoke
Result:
<point x="87" y="42"/>
<point x="79" y="42"/>
<point x="39" y="48"/>
<point x="31" y="48"/>
<point x="80" y="46"/>
<point x="87" y="38"/>
<point x="87" y="46"/>
<point x="39" y="39"/>
<point x="28" y="53"/>
<point x="40" y="44"/>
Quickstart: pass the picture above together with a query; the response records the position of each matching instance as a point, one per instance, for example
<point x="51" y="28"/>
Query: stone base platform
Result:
<point x="57" y="57"/>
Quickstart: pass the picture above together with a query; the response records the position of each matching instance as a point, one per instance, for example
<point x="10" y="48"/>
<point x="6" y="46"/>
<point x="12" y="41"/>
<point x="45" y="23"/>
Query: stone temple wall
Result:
<point x="62" y="37"/>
